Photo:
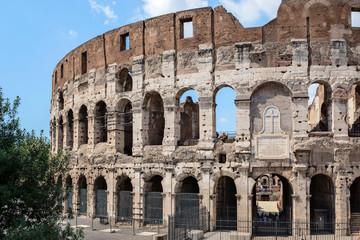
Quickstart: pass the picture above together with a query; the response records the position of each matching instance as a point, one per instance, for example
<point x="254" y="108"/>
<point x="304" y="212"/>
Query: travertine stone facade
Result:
<point x="117" y="112"/>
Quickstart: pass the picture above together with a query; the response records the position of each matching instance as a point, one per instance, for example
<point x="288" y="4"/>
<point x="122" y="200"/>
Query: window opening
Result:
<point x="84" y="63"/>
<point x="187" y="28"/>
<point x="125" y="42"/>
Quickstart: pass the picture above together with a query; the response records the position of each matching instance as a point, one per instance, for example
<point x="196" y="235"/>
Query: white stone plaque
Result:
<point x="271" y="142"/>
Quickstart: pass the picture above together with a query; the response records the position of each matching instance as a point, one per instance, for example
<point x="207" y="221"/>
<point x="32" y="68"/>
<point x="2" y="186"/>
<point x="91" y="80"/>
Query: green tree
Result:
<point x="29" y="191"/>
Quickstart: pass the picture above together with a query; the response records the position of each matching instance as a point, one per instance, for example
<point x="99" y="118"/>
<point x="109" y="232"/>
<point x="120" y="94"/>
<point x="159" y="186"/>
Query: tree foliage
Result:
<point x="29" y="188"/>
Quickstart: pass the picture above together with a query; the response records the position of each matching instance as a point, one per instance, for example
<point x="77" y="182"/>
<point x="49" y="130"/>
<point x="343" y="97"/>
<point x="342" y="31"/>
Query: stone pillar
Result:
<point x="299" y="185"/>
<point x="172" y="127"/>
<point x="205" y="186"/>
<point x="91" y="198"/>
<point x="340" y="203"/>
<point x="212" y="212"/>
<point x="111" y="196"/>
<point x="111" y="130"/>
<point x="138" y="132"/>
<point x="242" y="124"/>
<point x="339" y="111"/>
<point x="138" y="197"/>
<point x="91" y="129"/>
<point x="207" y="128"/>
<point x="300" y="116"/>
<point x="168" y="191"/>
<point x="242" y="55"/>
<point x="244" y="188"/>
<point x="300" y="53"/>
<point x="66" y="134"/>
<point x="76" y="132"/>
<point x="76" y="198"/>
<point x="339" y="52"/>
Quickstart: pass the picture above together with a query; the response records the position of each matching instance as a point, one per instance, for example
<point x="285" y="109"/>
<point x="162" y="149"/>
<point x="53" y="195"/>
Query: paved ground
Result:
<point x="95" y="230"/>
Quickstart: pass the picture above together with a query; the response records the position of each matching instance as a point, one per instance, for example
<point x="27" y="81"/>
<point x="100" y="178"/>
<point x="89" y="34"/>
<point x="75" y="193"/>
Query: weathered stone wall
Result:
<point x="269" y="67"/>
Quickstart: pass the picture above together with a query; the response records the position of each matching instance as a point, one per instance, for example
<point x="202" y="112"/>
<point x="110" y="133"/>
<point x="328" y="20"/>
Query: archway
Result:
<point x="100" y="123"/>
<point x="124" y="81"/>
<point x="319" y="116"/>
<point x="226" y="204"/>
<point x="355" y="206"/>
<point x="153" y="200"/>
<point x="83" y="125"/>
<point x="154" y="111"/>
<point x="322" y="204"/>
<point x="124" y="190"/>
<point x="69" y="193"/>
<point x="100" y="188"/>
<point x="61" y="134"/>
<point x="272" y="206"/>
<point x="70" y="137"/>
<point x="187" y="199"/>
<point x="124" y="127"/>
<point x="189" y="117"/>
<point x="83" y="195"/>
<point x="225" y="113"/>
<point x="354" y="111"/>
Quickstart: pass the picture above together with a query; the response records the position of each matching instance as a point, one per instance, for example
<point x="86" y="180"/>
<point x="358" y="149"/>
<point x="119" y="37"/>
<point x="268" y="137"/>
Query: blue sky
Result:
<point x="36" y="35"/>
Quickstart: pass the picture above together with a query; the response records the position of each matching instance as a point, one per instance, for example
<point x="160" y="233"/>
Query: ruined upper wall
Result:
<point x="317" y="21"/>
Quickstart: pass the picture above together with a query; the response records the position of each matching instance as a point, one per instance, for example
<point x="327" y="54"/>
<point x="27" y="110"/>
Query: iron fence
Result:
<point x="125" y="204"/>
<point x="183" y="224"/>
<point x="153" y="206"/>
<point x="83" y="201"/>
<point x="101" y="203"/>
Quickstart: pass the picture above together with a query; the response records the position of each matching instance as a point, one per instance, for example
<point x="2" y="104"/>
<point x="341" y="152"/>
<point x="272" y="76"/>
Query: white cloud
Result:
<point x="113" y="2"/>
<point x="223" y="120"/>
<point x="250" y="11"/>
<point x="109" y="13"/>
<point x="137" y="16"/>
<point x="72" y="34"/>
<point x="158" y="7"/>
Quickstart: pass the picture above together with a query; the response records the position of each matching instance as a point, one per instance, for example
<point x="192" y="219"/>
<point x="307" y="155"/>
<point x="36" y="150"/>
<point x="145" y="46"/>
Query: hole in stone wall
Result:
<point x="55" y="77"/>
<point x="187" y="28"/>
<point x="62" y="71"/>
<point x="124" y="42"/>
<point x="189" y="118"/>
<point x="222" y="158"/>
<point x="225" y="113"/>
<point x="355" y="17"/>
<point x="84" y="63"/>
<point x="319" y="107"/>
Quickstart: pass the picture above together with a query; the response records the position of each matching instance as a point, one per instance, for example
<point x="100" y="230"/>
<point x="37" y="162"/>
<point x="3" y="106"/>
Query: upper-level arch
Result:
<point x="124" y="81"/>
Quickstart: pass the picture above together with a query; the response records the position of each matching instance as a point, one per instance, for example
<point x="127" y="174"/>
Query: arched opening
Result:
<point x="61" y="134"/>
<point x="272" y="206"/>
<point x="322" y="204"/>
<point x="100" y="123"/>
<point x="226" y="204"/>
<point x="355" y="206"/>
<point x="70" y="193"/>
<point x="61" y="101"/>
<point x="188" y="197"/>
<point x="59" y="185"/>
<point x="83" y="125"/>
<point x="189" y="118"/>
<point x="54" y="135"/>
<point x="70" y="137"/>
<point x="124" y="190"/>
<point x="225" y="113"/>
<point x="124" y="81"/>
<point x="100" y="188"/>
<point x="354" y="111"/>
<point x="153" y="200"/>
<point x="319" y="116"/>
<point x="154" y="109"/>
<point x="124" y="127"/>
<point x="83" y="195"/>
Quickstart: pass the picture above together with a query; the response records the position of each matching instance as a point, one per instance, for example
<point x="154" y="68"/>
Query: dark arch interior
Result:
<point x="100" y="183"/>
<point x="124" y="184"/>
<point x="100" y="122"/>
<point x="82" y="200"/>
<point x="189" y="185"/>
<point x="68" y="182"/>
<point x="128" y="129"/>
<point x="82" y="182"/>
<point x="70" y="119"/>
<point x="61" y="134"/>
<point x="155" y="108"/>
<point x="124" y="83"/>
<point x="83" y="125"/>
<point x="321" y="204"/>
<point x="226" y="204"/>
<point x="155" y="184"/>
<point x="153" y="200"/>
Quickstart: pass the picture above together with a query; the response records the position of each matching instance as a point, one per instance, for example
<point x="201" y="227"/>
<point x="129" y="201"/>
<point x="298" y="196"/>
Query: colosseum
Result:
<point x="138" y="153"/>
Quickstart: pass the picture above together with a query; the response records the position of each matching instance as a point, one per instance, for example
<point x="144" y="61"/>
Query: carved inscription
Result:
<point x="272" y="142"/>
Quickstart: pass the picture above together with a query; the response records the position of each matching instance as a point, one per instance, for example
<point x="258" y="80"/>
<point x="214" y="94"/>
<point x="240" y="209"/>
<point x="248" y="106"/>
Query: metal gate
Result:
<point x="101" y="203"/>
<point x="70" y="201"/>
<point x="153" y="207"/>
<point x="83" y="201"/>
<point x="125" y="206"/>
<point x="187" y="201"/>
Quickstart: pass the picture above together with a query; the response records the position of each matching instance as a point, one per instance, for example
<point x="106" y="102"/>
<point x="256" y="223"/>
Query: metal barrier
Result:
<point x="153" y="206"/>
